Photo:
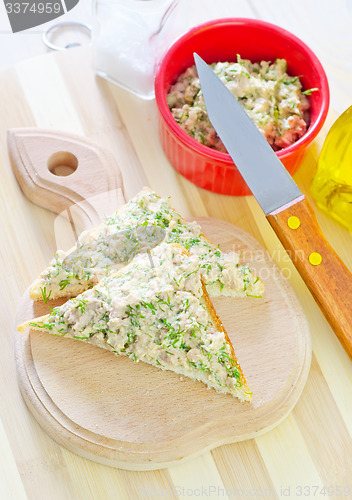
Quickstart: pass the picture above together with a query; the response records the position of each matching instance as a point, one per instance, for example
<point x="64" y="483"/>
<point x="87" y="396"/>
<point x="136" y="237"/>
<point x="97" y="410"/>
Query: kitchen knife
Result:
<point x="286" y="208"/>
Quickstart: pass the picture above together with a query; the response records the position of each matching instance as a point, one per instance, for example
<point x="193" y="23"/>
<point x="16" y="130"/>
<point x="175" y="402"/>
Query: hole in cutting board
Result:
<point x="62" y="163"/>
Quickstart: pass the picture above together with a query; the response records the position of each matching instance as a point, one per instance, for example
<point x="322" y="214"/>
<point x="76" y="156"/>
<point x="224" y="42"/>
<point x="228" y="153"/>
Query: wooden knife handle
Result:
<point x="326" y="276"/>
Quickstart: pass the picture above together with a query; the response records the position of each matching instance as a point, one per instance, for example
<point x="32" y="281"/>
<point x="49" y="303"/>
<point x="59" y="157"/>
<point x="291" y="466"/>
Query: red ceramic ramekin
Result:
<point x="222" y="40"/>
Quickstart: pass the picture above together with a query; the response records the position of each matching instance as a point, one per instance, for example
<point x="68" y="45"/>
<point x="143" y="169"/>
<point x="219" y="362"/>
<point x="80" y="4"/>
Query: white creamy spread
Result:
<point x="153" y="310"/>
<point x="145" y="222"/>
<point x="272" y="99"/>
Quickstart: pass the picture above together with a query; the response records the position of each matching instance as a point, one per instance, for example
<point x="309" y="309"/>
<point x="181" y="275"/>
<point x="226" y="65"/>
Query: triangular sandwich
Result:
<point x="142" y="223"/>
<point x="157" y="310"/>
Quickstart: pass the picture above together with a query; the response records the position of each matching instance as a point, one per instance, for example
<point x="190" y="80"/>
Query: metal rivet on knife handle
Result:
<point x="293" y="222"/>
<point x="315" y="258"/>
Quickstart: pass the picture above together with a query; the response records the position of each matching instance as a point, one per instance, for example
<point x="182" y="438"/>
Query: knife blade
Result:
<point x="286" y="208"/>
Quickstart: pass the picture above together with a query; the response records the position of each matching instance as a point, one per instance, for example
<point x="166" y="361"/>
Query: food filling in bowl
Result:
<point x="273" y="100"/>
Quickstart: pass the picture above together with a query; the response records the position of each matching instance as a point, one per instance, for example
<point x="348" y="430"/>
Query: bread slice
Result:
<point x="155" y="309"/>
<point x="140" y="225"/>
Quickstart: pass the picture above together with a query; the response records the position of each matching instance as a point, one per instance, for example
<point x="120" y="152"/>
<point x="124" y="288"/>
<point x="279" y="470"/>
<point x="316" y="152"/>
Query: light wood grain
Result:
<point x="119" y="413"/>
<point x="60" y="91"/>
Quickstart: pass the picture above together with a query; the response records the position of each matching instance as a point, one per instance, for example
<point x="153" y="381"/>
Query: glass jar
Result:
<point x="332" y="184"/>
<point x="129" y="38"/>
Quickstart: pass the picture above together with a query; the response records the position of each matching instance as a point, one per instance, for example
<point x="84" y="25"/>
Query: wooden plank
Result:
<point x="243" y="470"/>
<point x="326" y="455"/>
<point x="298" y="468"/>
<point x="11" y="486"/>
<point x="206" y="483"/>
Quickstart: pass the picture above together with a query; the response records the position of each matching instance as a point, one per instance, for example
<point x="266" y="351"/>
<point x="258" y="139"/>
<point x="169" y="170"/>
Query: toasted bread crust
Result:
<point x="36" y="291"/>
<point x="217" y="322"/>
<point x="29" y="324"/>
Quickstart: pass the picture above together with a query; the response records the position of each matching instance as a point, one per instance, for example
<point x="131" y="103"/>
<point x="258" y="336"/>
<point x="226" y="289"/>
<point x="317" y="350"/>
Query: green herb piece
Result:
<point x="309" y="91"/>
<point x="45" y="295"/>
<point x="82" y="304"/>
<point x="63" y="283"/>
<point x="290" y="80"/>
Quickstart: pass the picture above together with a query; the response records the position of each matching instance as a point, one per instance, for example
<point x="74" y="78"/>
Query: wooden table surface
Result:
<point x="309" y="453"/>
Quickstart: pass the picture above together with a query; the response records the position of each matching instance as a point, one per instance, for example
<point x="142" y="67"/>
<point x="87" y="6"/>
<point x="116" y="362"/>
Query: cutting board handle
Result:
<point x="66" y="173"/>
<point x="324" y="273"/>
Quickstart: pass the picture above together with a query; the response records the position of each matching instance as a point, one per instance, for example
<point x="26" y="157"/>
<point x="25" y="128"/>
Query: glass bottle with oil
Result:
<point x="332" y="184"/>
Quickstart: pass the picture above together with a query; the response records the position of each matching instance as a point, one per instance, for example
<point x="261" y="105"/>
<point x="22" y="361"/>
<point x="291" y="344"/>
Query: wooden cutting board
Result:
<point x="132" y="415"/>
